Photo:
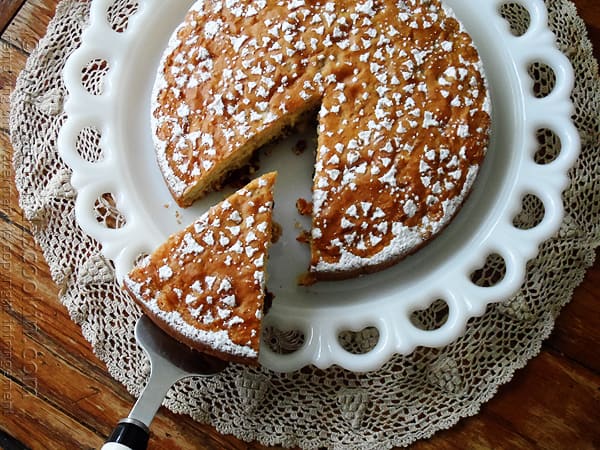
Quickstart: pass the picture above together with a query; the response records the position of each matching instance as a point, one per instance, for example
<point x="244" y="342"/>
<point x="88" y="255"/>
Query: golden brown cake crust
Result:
<point x="205" y="285"/>
<point x="404" y="114"/>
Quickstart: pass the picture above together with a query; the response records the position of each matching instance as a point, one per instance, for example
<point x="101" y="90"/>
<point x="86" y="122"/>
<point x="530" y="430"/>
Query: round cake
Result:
<point x="205" y="285"/>
<point x="401" y="99"/>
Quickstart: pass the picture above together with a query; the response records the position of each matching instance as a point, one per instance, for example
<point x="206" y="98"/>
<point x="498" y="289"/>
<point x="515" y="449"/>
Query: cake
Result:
<point x="205" y="285"/>
<point x="402" y="105"/>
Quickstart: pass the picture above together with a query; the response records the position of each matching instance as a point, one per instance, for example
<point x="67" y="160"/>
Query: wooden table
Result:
<point x="55" y="394"/>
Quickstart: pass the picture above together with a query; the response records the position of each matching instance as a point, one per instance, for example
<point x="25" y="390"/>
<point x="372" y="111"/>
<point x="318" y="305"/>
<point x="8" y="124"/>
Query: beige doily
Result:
<point x="411" y="397"/>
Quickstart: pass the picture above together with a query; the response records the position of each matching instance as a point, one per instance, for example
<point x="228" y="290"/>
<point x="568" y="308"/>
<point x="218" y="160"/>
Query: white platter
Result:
<point x="118" y="107"/>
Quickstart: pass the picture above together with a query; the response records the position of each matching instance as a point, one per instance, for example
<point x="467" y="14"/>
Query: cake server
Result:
<point x="170" y="361"/>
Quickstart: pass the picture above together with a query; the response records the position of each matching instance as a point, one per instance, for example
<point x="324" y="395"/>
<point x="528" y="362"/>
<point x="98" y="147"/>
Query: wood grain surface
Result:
<point x="8" y="9"/>
<point x="55" y="393"/>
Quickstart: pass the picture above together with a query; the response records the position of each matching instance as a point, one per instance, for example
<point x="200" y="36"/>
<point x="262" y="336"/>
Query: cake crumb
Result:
<point x="307" y="279"/>
<point x="300" y="147"/>
<point x="304" y="237"/>
<point x="276" y="231"/>
<point x="304" y="207"/>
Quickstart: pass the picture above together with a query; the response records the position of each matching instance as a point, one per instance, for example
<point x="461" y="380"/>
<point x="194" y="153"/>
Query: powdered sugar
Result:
<point x="217" y="340"/>
<point x="405" y="240"/>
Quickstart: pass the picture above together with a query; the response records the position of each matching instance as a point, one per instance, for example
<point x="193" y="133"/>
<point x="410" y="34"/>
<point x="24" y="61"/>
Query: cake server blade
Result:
<point x="170" y="361"/>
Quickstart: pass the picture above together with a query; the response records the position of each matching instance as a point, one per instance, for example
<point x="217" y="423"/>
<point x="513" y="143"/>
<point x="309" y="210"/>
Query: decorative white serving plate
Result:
<point x="118" y="107"/>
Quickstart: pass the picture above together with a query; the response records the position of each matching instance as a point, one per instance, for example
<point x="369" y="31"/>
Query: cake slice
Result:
<point x="205" y="285"/>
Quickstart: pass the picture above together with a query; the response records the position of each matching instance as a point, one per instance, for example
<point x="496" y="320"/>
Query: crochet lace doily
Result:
<point x="412" y="396"/>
